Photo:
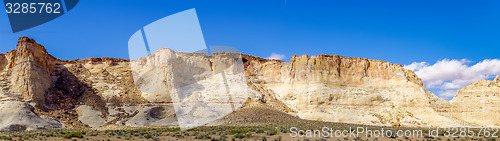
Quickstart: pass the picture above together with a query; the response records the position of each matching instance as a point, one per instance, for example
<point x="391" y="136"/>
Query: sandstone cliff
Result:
<point x="191" y="89"/>
<point x="25" y="75"/>
<point x="26" y="71"/>
<point x="478" y="103"/>
<point x="351" y="90"/>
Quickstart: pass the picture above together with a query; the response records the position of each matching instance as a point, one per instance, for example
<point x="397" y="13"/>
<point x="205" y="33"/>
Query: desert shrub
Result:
<point x="67" y="135"/>
<point x="222" y="133"/>
<point x="233" y="132"/>
<point x="270" y="132"/>
<point x="77" y="134"/>
<point x="119" y="133"/>
<point x="280" y="129"/>
<point x="239" y="136"/>
<point x="202" y="136"/>
<point x="177" y="134"/>
<point x="239" y="131"/>
<point x="5" y="138"/>
<point x="148" y="136"/>
<point x="222" y="138"/>
<point x="173" y="129"/>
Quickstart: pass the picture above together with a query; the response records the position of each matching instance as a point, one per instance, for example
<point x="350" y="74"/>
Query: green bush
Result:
<point x="67" y="135"/>
<point x="233" y="132"/>
<point x="5" y="138"/>
<point x="77" y="134"/>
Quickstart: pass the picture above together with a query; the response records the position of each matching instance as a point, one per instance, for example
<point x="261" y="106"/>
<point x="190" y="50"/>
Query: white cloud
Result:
<point x="448" y="76"/>
<point x="416" y="66"/>
<point x="276" y="56"/>
<point x="447" y="94"/>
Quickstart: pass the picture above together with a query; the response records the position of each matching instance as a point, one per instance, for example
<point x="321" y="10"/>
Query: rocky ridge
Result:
<point x="96" y="92"/>
<point x="350" y="90"/>
<point x="478" y="103"/>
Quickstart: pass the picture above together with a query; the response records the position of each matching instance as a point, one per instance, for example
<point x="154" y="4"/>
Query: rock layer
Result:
<point x="478" y="103"/>
<point x="176" y="88"/>
<point x="351" y="90"/>
<point x="26" y="71"/>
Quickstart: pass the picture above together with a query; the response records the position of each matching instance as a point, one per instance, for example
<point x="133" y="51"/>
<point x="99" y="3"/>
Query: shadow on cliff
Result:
<point x="67" y="91"/>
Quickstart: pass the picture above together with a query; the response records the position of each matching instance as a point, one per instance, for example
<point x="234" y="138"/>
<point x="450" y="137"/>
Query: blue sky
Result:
<point x="397" y="31"/>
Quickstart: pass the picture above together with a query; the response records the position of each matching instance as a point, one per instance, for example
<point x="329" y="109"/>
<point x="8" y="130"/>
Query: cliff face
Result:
<point x="478" y="103"/>
<point x="25" y="75"/>
<point x="191" y="89"/>
<point x="26" y="71"/>
<point x="204" y="88"/>
<point x="352" y="90"/>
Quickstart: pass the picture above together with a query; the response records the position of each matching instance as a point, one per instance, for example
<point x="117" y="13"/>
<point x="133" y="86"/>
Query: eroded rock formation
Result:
<point x="26" y="71"/>
<point x="478" y="103"/>
<point x="351" y="90"/>
<point x="96" y="92"/>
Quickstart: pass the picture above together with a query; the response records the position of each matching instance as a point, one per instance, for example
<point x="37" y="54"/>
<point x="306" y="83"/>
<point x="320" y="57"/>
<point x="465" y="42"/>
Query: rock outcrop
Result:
<point x="20" y="116"/>
<point x="26" y="71"/>
<point x="202" y="88"/>
<point x="170" y="88"/>
<point x="351" y="90"/>
<point x="478" y="103"/>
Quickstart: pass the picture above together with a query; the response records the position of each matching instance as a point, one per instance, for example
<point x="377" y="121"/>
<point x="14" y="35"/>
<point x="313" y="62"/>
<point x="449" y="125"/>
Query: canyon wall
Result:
<point x="26" y="71"/>
<point x="478" y="103"/>
<point x="350" y="90"/>
<point x="191" y="89"/>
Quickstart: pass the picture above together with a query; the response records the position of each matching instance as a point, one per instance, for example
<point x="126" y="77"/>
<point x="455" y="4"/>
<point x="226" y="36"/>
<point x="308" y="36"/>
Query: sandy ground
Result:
<point x="251" y="123"/>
